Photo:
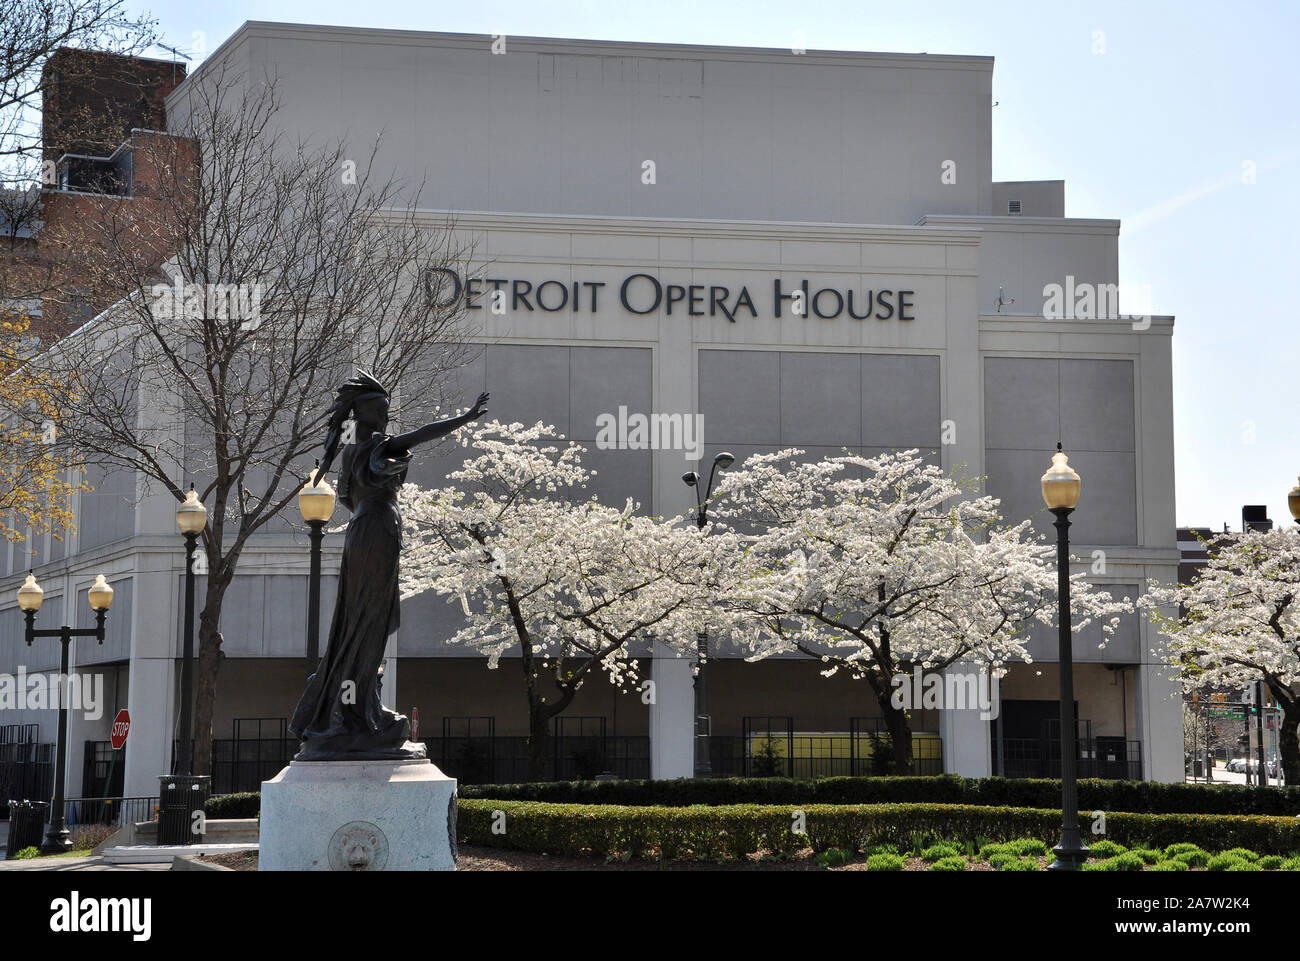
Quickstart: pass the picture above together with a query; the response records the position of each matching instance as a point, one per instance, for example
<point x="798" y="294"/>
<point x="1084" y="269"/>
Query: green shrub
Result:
<point x="1272" y="862"/>
<point x="1290" y="864"/>
<point x="953" y="863"/>
<point x="1221" y="862"/>
<point x="1128" y="861"/>
<point x="1000" y="859"/>
<point x="1105" y="849"/>
<point x="227" y="806"/>
<point x="28" y="854"/>
<point x="883" y="849"/>
<point x="937" y="852"/>
<point x="884" y="862"/>
<point x="1027" y="847"/>
<point x="988" y="850"/>
<point x="1244" y="854"/>
<point x="1021" y="864"/>
<point x="1243" y="866"/>
<point x="1172" y="864"/>
<point x="834" y="857"/>
<point x="1147" y="855"/>
<point x="1193" y="859"/>
<point x="1182" y="847"/>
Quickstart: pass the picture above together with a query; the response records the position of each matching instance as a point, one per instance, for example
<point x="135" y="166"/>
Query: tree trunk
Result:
<point x="1288" y="741"/>
<point x="895" y="718"/>
<point x="900" y="733"/>
<point x="539" y="740"/>
<point x="210" y="656"/>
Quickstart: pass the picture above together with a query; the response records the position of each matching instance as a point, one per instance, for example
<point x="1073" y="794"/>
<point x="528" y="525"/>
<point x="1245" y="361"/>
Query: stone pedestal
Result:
<point x="358" y="816"/>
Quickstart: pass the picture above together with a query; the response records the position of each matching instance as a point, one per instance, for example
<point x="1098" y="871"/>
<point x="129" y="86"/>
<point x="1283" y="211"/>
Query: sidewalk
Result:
<point x="77" y="864"/>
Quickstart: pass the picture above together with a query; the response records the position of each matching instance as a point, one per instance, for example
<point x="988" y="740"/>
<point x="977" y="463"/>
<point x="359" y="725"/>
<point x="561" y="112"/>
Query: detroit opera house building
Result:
<point x="653" y="216"/>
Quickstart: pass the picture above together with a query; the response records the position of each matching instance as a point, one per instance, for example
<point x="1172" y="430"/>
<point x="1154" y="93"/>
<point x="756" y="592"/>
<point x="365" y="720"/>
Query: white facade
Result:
<point x="834" y="169"/>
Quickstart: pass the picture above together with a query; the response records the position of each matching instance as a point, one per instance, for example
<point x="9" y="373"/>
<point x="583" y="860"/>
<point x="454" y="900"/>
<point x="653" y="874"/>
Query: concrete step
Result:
<point x="160" y="853"/>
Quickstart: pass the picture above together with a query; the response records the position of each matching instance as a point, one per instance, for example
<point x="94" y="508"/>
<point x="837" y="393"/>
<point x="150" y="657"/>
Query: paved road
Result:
<point x="1229" y="777"/>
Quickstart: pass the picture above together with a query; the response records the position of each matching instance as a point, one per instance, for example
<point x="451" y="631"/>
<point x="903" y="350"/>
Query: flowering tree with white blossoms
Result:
<point x="879" y="565"/>
<point x="568" y="584"/>
<point x="1241" y="624"/>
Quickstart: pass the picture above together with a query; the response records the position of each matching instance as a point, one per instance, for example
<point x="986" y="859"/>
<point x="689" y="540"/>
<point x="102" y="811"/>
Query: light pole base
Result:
<point x="57" y="842"/>
<point x="1070" y="856"/>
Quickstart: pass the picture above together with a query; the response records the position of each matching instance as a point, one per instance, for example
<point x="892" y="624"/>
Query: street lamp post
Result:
<point x="30" y="596"/>
<point x="316" y="504"/>
<point x="191" y="518"/>
<point x="703" y="764"/>
<point x="1061" y="485"/>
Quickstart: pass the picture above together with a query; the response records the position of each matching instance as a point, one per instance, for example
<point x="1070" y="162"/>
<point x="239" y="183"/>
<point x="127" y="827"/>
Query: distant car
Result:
<point x="1237" y="765"/>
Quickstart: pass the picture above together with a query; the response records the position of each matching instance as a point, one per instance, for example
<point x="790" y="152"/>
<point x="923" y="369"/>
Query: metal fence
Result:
<point x="1111" y="758"/>
<point x="113" y="811"/>
<point x="26" y="766"/>
<point x="504" y="760"/>
<point x="240" y="764"/>
<point x="816" y="755"/>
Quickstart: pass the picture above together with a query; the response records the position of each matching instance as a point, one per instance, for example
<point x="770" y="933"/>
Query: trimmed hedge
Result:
<point x="1094" y="794"/>
<point x="740" y="829"/>
<point x="1109" y="796"/>
<point x="246" y="805"/>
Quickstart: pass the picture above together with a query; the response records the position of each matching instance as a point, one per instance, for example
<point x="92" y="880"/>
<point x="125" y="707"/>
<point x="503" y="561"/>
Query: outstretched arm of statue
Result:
<point x="438" y="428"/>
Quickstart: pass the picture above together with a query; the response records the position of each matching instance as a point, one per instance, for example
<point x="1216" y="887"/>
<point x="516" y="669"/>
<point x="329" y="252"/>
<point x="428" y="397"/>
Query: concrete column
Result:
<point x="672" y="714"/>
<point x="963" y="396"/>
<point x="155" y="670"/>
<point x="1159" y="711"/>
<point x="967" y="748"/>
<point x="149" y="745"/>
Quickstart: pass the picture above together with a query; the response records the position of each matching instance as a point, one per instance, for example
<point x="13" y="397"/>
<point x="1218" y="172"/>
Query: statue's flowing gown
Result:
<point x="337" y="718"/>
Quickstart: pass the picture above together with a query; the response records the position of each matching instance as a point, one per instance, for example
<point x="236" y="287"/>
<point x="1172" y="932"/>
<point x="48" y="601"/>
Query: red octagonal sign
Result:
<point x="121" y="727"/>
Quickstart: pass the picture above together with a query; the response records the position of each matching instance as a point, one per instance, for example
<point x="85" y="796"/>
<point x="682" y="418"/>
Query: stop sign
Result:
<point x="121" y="727"/>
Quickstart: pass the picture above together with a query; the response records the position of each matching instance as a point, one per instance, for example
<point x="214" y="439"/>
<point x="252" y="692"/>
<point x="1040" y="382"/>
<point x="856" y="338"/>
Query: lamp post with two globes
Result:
<point x="30" y="596"/>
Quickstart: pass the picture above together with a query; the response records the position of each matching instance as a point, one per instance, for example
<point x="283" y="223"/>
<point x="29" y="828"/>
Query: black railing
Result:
<point x="818" y="755"/>
<point x="504" y="760"/>
<point x="113" y="811"/>
<point x="1110" y="758"/>
<point x="242" y="764"/>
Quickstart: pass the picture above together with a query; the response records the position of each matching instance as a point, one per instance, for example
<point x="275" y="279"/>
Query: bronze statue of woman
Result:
<point x="340" y="716"/>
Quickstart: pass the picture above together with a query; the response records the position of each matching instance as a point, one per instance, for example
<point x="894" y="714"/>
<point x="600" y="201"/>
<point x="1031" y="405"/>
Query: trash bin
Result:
<point x="26" y="825"/>
<point x="1198" y="768"/>
<point x="179" y="797"/>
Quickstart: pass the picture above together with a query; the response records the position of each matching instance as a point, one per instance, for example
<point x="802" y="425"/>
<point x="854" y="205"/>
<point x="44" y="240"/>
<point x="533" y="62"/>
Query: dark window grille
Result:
<point x="26" y="766"/>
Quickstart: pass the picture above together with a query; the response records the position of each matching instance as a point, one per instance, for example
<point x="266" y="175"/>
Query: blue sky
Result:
<point x="1147" y="110"/>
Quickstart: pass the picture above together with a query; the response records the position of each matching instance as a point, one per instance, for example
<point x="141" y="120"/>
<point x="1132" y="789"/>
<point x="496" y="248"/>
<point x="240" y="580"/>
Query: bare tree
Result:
<point x="31" y="31"/>
<point x="248" y="281"/>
